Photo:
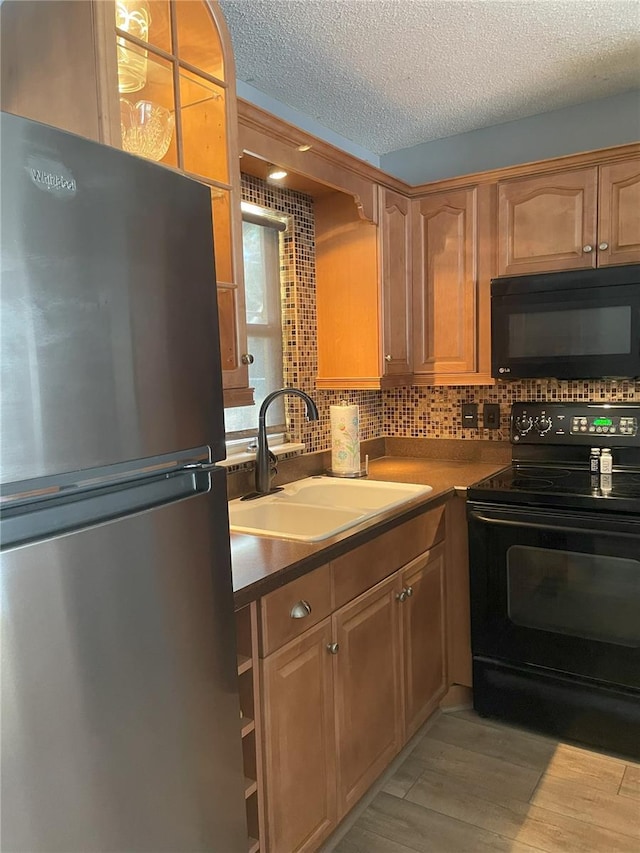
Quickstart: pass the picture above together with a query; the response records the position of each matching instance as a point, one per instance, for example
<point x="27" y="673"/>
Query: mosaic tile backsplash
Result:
<point x="416" y="412"/>
<point x="421" y="412"/>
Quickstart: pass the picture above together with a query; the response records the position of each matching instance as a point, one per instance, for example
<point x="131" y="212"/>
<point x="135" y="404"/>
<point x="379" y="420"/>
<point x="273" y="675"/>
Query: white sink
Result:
<point x="319" y="507"/>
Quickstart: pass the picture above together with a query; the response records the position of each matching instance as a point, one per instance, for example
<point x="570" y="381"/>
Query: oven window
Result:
<point x="571" y="332"/>
<point x="583" y="595"/>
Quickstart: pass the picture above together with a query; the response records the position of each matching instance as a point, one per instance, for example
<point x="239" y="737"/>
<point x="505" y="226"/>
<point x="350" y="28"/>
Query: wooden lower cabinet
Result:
<point x="340" y="700"/>
<point x="297" y="688"/>
<point x="367" y="689"/>
<point x="423" y="637"/>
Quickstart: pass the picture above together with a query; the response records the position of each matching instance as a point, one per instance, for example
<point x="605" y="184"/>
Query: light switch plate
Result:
<point x="491" y="415"/>
<point x="469" y="416"/>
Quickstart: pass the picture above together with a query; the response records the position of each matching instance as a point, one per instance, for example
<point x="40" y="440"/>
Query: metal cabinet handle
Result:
<point x="401" y="596"/>
<point x="603" y="246"/>
<point x="409" y="591"/>
<point x="587" y="248"/>
<point x="300" y="609"/>
<point x="388" y="357"/>
<point x="247" y="358"/>
<point x="333" y="648"/>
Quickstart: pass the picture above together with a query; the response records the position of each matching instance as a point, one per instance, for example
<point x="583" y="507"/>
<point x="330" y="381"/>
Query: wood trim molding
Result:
<point x="238" y="397"/>
<point x="537" y="167"/>
<point x="339" y="383"/>
<point x="324" y="156"/>
<point x="453" y="379"/>
<point x="268" y="137"/>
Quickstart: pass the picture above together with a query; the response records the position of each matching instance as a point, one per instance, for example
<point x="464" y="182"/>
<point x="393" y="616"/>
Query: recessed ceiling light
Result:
<point x="304" y="147"/>
<point x="275" y="173"/>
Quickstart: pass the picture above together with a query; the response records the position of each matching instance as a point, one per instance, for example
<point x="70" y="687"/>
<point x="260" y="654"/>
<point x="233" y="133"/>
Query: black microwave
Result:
<point x="579" y="324"/>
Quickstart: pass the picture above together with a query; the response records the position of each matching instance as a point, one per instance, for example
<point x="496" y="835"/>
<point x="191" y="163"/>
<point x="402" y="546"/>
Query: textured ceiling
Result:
<point x="389" y="74"/>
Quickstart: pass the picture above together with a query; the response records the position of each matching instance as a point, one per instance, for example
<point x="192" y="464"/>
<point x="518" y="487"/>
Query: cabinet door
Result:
<point x="423" y="634"/>
<point x="395" y="251"/>
<point x="619" y="214"/>
<point x="299" y="742"/>
<point x="367" y="689"/>
<point x="547" y="222"/>
<point x="444" y="279"/>
<point x="57" y="67"/>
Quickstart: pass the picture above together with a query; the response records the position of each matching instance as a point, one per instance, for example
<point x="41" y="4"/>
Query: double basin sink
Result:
<point x="317" y="508"/>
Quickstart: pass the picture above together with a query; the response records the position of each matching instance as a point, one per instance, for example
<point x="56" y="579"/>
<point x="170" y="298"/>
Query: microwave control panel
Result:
<point x="575" y="423"/>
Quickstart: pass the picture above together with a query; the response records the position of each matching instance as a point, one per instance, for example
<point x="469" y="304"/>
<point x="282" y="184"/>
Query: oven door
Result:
<point x="566" y="333"/>
<point x="556" y="589"/>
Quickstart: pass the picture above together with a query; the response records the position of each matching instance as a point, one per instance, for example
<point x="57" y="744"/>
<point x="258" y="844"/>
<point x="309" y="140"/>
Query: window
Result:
<point x="261" y="248"/>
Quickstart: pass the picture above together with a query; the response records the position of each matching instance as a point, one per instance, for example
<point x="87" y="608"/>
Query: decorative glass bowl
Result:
<point x="147" y="128"/>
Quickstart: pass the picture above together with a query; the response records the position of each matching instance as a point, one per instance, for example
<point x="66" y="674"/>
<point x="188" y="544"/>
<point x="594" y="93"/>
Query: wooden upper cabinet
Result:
<point x="547" y="222"/>
<point x="362" y="293"/>
<point x="155" y="77"/>
<point x="178" y="55"/>
<point x="570" y="220"/>
<point x="347" y="301"/>
<point x="444" y="284"/>
<point x="57" y="68"/>
<point x="619" y="213"/>
<point x="395" y="255"/>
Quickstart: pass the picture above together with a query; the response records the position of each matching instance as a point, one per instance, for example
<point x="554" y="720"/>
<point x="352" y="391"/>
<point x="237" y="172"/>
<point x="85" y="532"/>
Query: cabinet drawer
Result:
<point x="289" y="611"/>
<point x="363" y="567"/>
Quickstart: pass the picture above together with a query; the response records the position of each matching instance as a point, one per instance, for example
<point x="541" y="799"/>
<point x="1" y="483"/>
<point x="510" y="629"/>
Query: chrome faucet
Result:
<point x="264" y="457"/>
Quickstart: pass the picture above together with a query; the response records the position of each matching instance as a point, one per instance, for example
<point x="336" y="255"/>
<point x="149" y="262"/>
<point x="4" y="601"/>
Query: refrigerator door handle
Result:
<point x="200" y="466"/>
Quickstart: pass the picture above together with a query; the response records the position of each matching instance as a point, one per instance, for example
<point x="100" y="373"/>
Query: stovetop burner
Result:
<point x="561" y="487"/>
<point x="551" y="458"/>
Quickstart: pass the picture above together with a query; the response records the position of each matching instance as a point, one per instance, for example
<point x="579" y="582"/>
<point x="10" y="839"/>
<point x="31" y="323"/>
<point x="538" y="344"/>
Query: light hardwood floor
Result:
<point x="477" y="785"/>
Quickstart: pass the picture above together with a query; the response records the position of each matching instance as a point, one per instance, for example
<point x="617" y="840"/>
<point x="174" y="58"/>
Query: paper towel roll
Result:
<point x="345" y="438"/>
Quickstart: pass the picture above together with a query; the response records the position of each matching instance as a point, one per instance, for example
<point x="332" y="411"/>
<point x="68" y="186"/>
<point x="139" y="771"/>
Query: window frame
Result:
<point x="241" y="441"/>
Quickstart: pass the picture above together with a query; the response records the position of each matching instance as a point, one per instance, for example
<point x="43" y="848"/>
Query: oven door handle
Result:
<point x="616" y="526"/>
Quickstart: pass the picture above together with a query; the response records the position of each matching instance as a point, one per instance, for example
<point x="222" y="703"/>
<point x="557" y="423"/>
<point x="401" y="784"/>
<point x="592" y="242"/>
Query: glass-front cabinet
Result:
<point x="176" y="90"/>
<point x="155" y="77"/>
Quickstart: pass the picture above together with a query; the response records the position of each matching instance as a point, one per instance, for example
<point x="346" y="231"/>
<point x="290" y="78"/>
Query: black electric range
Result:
<point x="554" y="567"/>
<point x="550" y="459"/>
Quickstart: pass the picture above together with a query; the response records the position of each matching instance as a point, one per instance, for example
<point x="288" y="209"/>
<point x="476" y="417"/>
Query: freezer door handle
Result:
<point x="58" y="515"/>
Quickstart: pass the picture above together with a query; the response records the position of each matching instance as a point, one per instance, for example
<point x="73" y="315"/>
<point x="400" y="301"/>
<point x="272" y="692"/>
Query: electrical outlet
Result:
<point x="491" y="415"/>
<point x="469" y="416"/>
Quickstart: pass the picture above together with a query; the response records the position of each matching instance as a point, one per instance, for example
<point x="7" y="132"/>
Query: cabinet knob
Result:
<point x="300" y="609"/>
<point x="587" y="248"/>
<point x="388" y="357"/>
<point x="409" y="591"/>
<point x="333" y="648"/>
<point x="247" y="358"/>
<point x="603" y="246"/>
<point x="401" y="596"/>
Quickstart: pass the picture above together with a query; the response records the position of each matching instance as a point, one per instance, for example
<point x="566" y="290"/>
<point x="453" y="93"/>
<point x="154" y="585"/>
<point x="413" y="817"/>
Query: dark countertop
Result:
<point x="261" y="564"/>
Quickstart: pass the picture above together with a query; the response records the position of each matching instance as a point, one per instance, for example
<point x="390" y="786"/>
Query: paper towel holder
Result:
<point x="363" y="472"/>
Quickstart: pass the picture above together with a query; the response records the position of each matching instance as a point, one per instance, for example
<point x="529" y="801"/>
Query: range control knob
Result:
<point x="543" y="424"/>
<point x="524" y="424"/>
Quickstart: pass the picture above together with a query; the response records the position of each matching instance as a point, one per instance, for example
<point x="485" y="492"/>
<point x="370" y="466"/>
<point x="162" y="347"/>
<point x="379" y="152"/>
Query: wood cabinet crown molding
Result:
<point x="268" y="137"/>
<point x="596" y="157"/>
<point x="252" y="117"/>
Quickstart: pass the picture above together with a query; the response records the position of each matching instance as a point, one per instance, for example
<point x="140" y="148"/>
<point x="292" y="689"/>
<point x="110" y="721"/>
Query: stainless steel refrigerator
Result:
<point x="120" y="713"/>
